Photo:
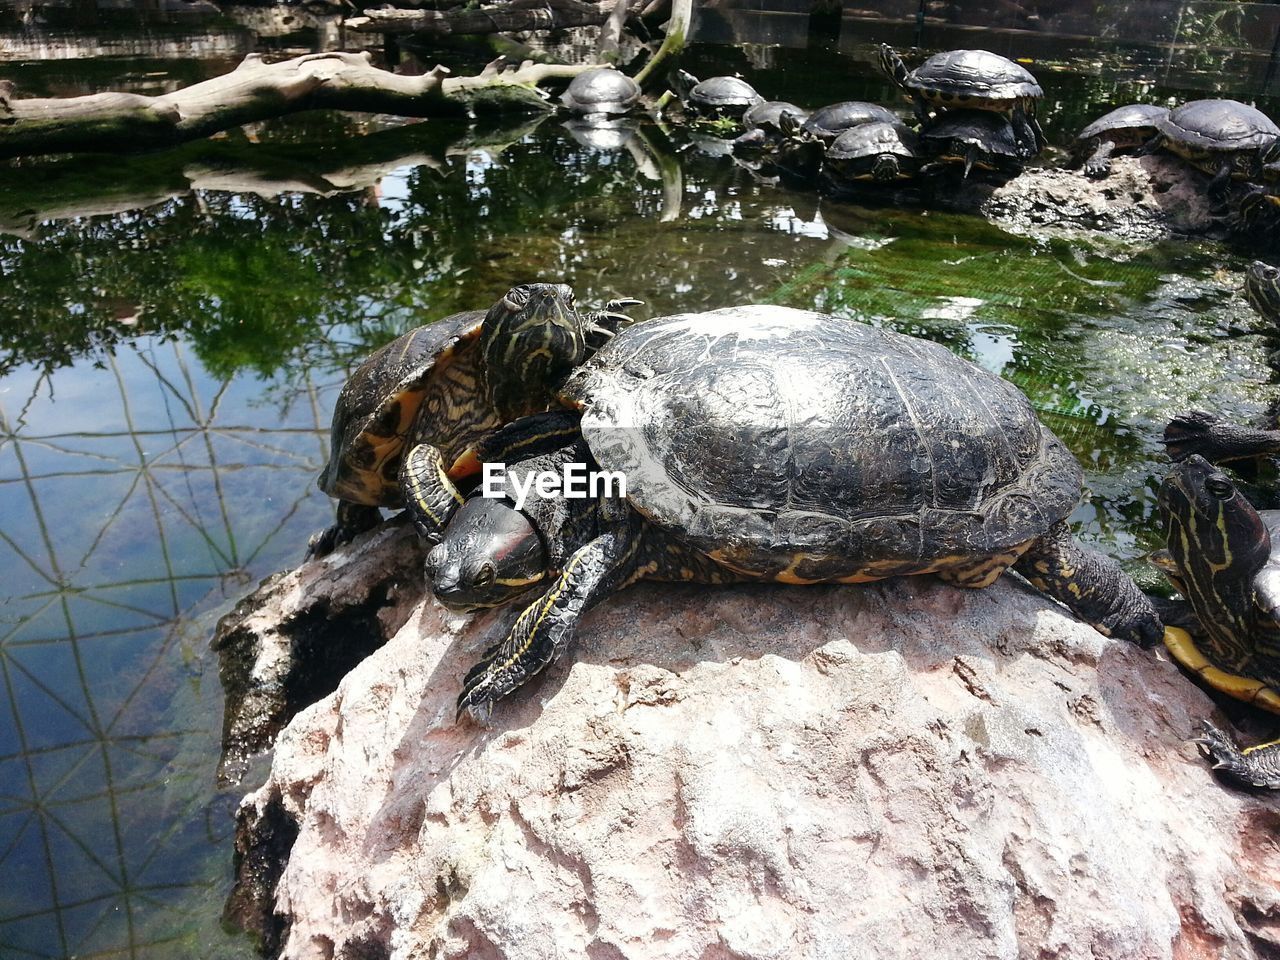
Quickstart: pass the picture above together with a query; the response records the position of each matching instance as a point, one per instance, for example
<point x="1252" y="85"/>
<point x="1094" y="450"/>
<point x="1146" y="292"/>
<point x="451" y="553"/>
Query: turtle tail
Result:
<point x="892" y="65"/>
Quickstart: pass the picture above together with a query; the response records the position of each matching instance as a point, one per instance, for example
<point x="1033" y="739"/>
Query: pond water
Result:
<point x="174" y="329"/>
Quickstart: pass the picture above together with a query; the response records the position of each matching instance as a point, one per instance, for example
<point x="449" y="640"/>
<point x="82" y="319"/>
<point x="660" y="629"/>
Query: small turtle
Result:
<point x="764" y="129"/>
<point x="1262" y="290"/>
<point x="422" y="399"/>
<point x="1221" y="559"/>
<point x="719" y="98"/>
<point x="976" y="139"/>
<point x="1225" y="138"/>
<point x="880" y="152"/>
<point x="1124" y="128"/>
<point x="807" y="139"/>
<point x="971" y="80"/>
<point x="767" y="443"/>
<point x="602" y="91"/>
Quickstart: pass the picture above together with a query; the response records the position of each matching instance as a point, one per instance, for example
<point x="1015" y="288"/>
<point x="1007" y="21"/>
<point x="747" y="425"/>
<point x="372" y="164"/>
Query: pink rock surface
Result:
<point x="898" y="770"/>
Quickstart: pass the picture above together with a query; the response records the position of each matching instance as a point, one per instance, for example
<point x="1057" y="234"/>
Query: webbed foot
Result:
<point x="1256" y="766"/>
<point x="353" y="519"/>
<point x="1095" y="168"/>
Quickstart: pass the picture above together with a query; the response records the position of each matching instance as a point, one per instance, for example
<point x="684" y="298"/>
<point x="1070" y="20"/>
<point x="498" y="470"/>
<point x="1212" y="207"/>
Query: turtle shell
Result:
<point x="378" y="405"/>
<point x="832" y="120"/>
<point x="766" y="114"/>
<point x="1135" y="118"/>
<point x="972" y="78"/>
<point x="722" y="93"/>
<point x="956" y="130"/>
<point x="873" y="140"/>
<point x="602" y="90"/>
<point x="757" y="432"/>
<point x="1217" y="126"/>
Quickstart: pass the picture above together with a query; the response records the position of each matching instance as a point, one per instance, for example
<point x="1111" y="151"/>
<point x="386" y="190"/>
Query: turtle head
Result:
<point x="489" y="553"/>
<point x="886" y="169"/>
<point x="892" y="64"/>
<point x="529" y="341"/>
<point x="1262" y="288"/>
<point x="1217" y="543"/>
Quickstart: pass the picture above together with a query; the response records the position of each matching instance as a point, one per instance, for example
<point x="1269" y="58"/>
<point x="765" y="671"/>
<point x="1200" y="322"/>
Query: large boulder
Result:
<point x="896" y="770"/>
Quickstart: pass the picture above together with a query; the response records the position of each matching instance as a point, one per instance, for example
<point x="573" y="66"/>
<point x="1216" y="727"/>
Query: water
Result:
<point x="174" y="328"/>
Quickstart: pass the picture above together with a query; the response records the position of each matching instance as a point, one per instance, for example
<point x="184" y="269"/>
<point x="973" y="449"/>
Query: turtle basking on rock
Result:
<point x="1221" y="559"/>
<point x="971" y="80"/>
<point x="968" y="140"/>
<point x="763" y="443"/>
<point x="878" y="152"/>
<point x="719" y="99"/>
<point x="1125" y="128"/>
<point x="764" y="127"/>
<point x="423" y="398"/>
<point x="806" y="139"/>
<point x="1224" y="138"/>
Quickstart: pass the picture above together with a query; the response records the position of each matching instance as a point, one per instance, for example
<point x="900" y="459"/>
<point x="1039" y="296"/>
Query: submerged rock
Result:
<point x="901" y="769"/>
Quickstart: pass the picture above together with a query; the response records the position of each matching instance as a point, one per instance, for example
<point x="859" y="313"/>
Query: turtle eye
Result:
<point x="1219" y="486"/>
<point x="484" y="577"/>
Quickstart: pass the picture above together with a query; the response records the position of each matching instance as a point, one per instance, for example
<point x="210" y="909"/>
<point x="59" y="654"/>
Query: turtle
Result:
<point x="1262" y="290"/>
<point x="1224" y="138"/>
<point x="1124" y="128"/>
<point x="880" y="152"/>
<point x="602" y="91"/>
<point x="1220" y="558"/>
<point x="807" y="138"/>
<point x="975" y="139"/>
<point x="764" y="129"/>
<point x="423" y="398"/>
<point x="971" y="80"/>
<point x="719" y="98"/>
<point x="765" y="443"/>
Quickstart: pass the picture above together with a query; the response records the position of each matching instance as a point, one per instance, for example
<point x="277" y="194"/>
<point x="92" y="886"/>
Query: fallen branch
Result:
<point x="255" y="91"/>
<point x="677" y="32"/>
<point x="517" y="15"/>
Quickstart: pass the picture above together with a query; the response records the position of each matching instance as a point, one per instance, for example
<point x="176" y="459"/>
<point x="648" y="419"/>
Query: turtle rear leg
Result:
<point x="1091" y="585"/>
<point x="1217" y="440"/>
<point x="1099" y="163"/>
<point x="352" y="520"/>
<point x="1258" y="766"/>
<point x="546" y="626"/>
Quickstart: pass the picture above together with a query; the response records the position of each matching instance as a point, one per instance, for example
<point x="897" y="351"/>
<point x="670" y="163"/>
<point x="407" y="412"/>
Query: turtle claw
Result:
<point x="1256" y="766"/>
<point x="321" y="544"/>
<point x="1097" y="169"/>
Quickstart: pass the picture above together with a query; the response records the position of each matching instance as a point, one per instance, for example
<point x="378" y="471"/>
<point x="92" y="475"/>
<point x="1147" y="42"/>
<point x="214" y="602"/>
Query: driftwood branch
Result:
<point x="517" y="15"/>
<point x="255" y="91"/>
<point x="677" y="32"/>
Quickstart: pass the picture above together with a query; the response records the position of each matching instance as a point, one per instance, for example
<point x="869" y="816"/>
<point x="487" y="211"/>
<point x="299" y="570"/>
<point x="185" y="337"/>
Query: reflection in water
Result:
<point x="177" y="327"/>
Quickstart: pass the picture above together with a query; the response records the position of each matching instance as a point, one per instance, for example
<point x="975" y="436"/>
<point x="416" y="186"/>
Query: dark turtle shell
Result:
<point x="756" y="431"/>
<point x="377" y="407"/>
<point x="876" y="151"/>
<point x="951" y="135"/>
<point x="1134" y="123"/>
<point x="767" y="114"/>
<point x="830" y="121"/>
<point x="723" y="94"/>
<point x="1202" y="128"/>
<point x="602" y="90"/>
<point x="972" y="78"/>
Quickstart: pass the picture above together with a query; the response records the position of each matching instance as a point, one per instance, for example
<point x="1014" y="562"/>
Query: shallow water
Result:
<point x="174" y="329"/>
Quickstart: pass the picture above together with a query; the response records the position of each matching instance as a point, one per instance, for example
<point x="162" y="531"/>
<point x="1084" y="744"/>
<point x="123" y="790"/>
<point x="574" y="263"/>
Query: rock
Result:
<point x="1144" y="198"/>
<point x="289" y="642"/>
<point x="895" y="770"/>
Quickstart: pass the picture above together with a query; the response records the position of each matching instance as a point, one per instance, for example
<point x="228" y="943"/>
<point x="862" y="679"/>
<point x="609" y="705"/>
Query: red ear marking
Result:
<point x="467" y="465"/>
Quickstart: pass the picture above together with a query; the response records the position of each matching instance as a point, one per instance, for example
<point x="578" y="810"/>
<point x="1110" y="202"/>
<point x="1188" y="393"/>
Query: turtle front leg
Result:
<point x="1217" y="440"/>
<point x="430" y="495"/>
<point x="604" y="324"/>
<point x="1099" y="163"/>
<point x="1258" y="766"/>
<point x="1029" y="142"/>
<point x="352" y="520"/>
<point x="547" y="625"/>
<point x="1091" y="585"/>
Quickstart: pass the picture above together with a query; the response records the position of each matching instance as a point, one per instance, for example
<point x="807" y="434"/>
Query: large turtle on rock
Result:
<point x="1225" y="138"/>
<point x="1221" y="557"/>
<point x="766" y="443"/>
<point x="1125" y="128"/>
<point x="421" y="399"/>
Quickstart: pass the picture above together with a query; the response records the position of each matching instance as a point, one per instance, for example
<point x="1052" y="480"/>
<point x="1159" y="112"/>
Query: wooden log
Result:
<point x="517" y="15"/>
<point x="256" y="90"/>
